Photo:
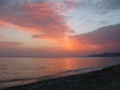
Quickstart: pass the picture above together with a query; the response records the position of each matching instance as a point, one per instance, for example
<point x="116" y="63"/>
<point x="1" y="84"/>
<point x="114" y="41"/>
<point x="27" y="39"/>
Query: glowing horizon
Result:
<point x="70" y="27"/>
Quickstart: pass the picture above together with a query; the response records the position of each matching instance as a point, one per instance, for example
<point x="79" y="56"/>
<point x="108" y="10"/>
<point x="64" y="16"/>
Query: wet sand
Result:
<point x="105" y="79"/>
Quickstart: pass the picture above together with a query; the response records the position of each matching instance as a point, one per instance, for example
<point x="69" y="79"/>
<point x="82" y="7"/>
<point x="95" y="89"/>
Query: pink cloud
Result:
<point x="37" y="18"/>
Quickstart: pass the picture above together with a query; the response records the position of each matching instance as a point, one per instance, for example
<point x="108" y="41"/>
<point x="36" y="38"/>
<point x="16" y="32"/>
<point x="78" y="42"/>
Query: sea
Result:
<point x="15" y="71"/>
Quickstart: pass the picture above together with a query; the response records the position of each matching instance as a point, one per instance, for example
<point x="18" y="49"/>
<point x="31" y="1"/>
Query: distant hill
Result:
<point x="114" y="54"/>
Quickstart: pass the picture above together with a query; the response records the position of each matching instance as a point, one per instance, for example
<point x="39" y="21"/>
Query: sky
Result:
<point x="52" y="28"/>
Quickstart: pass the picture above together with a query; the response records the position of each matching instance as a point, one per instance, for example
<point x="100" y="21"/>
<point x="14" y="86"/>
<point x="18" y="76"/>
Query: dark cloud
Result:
<point x="111" y="4"/>
<point x="3" y="2"/>
<point x="107" y="38"/>
<point x="103" y="22"/>
<point x="71" y="4"/>
<point x="36" y="36"/>
<point x="98" y="6"/>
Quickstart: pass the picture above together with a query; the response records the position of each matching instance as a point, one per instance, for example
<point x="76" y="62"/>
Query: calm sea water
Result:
<point x="18" y="71"/>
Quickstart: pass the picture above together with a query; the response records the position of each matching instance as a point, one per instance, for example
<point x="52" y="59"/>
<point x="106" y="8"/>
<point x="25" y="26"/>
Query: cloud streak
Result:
<point x="9" y="44"/>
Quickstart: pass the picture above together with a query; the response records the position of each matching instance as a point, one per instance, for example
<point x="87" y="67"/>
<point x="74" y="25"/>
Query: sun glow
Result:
<point x="68" y="43"/>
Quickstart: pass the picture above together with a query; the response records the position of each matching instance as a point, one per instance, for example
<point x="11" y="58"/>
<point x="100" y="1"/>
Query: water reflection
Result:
<point x="20" y="68"/>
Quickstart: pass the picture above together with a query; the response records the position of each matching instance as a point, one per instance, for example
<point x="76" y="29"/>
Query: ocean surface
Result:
<point x="19" y="71"/>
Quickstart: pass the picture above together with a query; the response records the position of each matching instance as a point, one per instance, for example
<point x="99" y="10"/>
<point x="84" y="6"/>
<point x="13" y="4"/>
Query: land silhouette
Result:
<point x="108" y="54"/>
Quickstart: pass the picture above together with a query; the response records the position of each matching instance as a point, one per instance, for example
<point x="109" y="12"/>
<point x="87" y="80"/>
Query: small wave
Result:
<point x="81" y="70"/>
<point x="25" y="79"/>
<point x="60" y="74"/>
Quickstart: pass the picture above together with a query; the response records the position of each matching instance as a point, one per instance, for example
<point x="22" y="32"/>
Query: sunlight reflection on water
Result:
<point x="19" y="70"/>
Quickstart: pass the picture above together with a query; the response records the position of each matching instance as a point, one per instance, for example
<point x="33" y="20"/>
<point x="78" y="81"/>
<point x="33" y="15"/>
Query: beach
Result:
<point x="105" y="79"/>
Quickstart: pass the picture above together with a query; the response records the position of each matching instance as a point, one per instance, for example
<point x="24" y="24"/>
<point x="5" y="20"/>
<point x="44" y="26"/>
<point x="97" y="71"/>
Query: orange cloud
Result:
<point x="2" y="24"/>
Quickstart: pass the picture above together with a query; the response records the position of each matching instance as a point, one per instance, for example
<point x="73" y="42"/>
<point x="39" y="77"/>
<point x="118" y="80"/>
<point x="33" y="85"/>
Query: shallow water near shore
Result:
<point x="18" y="71"/>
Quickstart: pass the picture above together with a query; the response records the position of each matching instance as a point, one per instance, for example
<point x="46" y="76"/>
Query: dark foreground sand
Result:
<point x="106" y="79"/>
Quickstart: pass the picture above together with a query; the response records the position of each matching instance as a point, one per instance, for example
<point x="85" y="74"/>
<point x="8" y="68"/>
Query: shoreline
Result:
<point x="25" y="81"/>
<point x="105" y="79"/>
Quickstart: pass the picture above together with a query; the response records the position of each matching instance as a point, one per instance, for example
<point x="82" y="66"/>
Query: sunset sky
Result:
<point x="48" y="28"/>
